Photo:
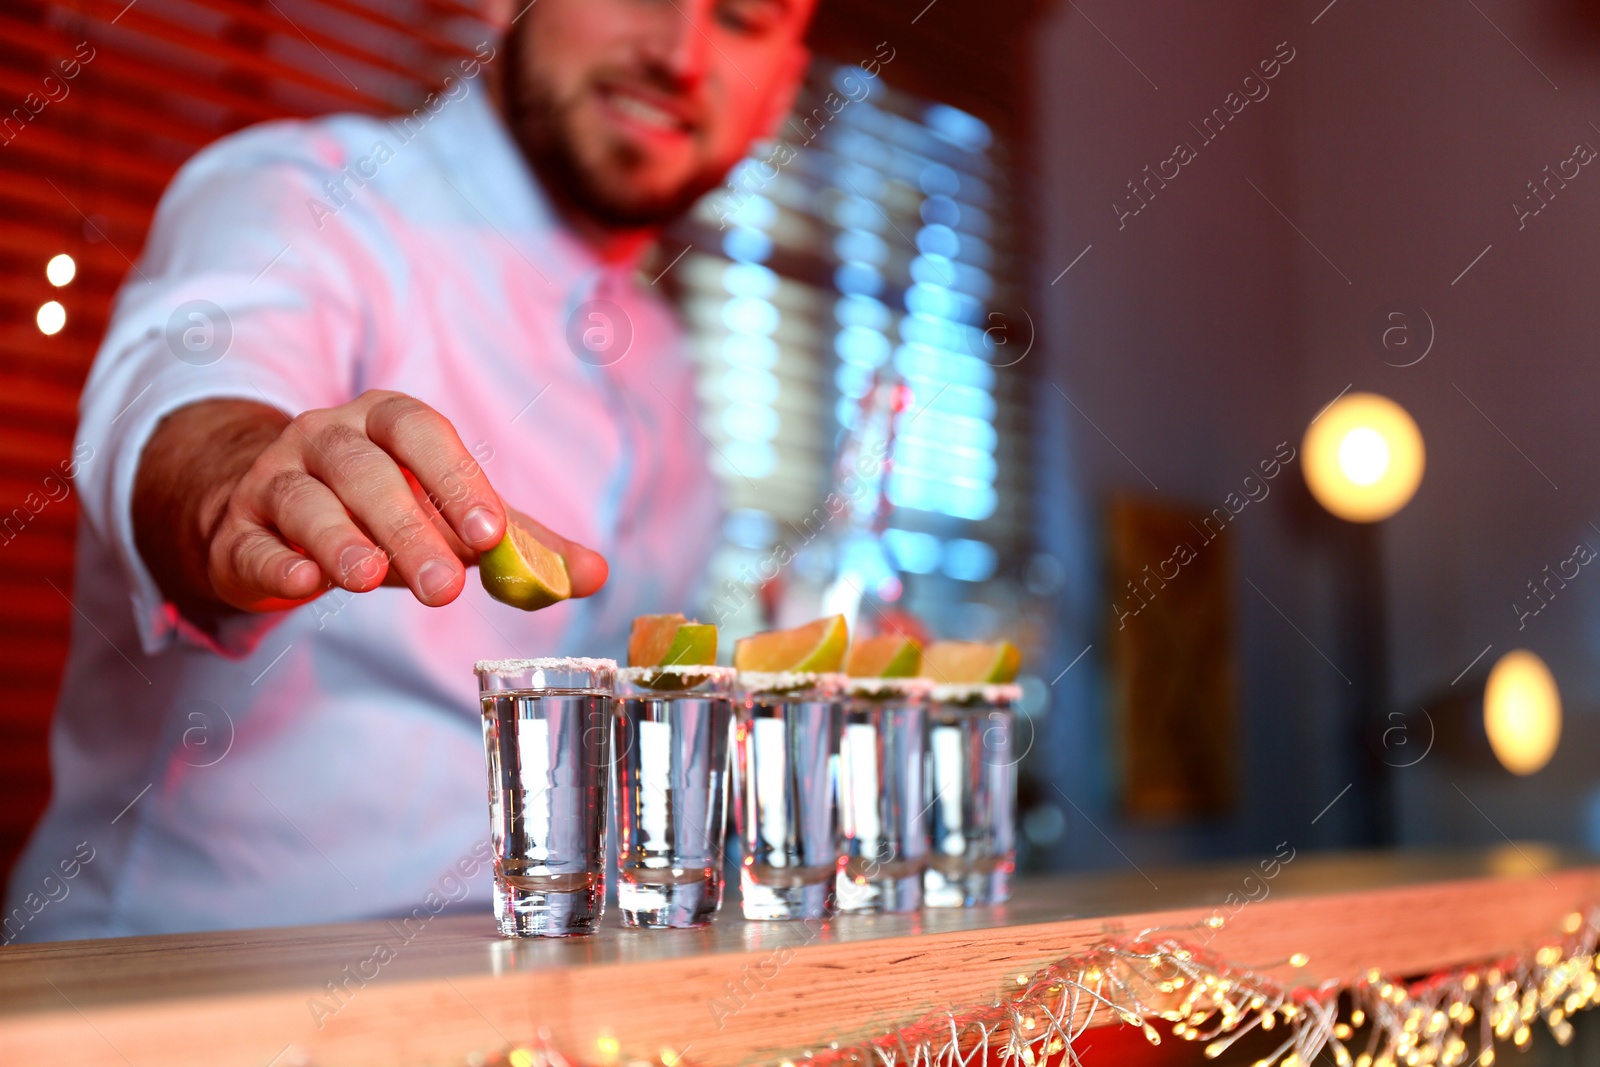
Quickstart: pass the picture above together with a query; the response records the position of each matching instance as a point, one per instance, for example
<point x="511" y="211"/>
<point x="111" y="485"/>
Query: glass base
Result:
<point x="763" y="902"/>
<point x="865" y="896"/>
<point x="525" y="912"/>
<point x="661" y="904"/>
<point x="947" y="887"/>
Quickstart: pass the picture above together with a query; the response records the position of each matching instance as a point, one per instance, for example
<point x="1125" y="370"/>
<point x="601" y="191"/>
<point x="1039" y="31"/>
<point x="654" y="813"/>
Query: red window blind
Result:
<point x="100" y="102"/>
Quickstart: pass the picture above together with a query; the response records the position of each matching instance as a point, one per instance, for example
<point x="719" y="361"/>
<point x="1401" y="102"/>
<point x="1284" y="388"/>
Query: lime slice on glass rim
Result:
<point x="971" y="662"/>
<point x="523" y="571"/>
<point x="884" y="656"/>
<point x="671" y="641"/>
<point x="816" y="647"/>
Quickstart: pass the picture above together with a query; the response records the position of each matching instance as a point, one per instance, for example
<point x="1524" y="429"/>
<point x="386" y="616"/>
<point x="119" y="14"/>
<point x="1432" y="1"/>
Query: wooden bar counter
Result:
<point x="436" y="992"/>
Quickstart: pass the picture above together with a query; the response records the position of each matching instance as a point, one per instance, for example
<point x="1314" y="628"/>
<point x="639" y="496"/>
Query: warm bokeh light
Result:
<point x="1522" y="712"/>
<point x="61" y="269"/>
<point x="51" y="317"/>
<point x="1363" y="457"/>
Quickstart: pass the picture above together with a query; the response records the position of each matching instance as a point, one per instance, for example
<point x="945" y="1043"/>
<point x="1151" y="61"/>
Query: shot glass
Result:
<point x="972" y="772"/>
<point x="547" y="734"/>
<point x="785" y="769"/>
<point x="671" y="746"/>
<point x="883" y="813"/>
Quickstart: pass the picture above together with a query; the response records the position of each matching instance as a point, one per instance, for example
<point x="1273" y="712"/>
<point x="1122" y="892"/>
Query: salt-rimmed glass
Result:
<point x="671" y="746"/>
<point x="972" y="778"/>
<point x="883" y="816"/>
<point x="547" y="734"/>
<point x="785" y="759"/>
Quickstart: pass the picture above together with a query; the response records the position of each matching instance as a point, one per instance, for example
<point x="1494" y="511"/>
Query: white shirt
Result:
<point x="327" y="763"/>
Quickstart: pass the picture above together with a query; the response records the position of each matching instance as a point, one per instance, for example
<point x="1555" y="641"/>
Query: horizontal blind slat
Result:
<point x="420" y="33"/>
<point x="45" y="144"/>
<point x="136" y="73"/>
<point x="138" y="19"/>
<point x="277" y="21"/>
<point x="125" y="218"/>
<point x="86" y="112"/>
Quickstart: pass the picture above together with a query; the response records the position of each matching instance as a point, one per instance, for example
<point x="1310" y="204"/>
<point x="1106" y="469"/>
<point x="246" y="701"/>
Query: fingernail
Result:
<point x="288" y="572"/>
<point x="359" y="563"/>
<point x="478" y="525"/>
<point x="434" y="577"/>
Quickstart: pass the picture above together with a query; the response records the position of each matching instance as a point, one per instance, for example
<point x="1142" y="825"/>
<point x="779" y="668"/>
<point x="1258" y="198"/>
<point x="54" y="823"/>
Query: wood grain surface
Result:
<point x="735" y="992"/>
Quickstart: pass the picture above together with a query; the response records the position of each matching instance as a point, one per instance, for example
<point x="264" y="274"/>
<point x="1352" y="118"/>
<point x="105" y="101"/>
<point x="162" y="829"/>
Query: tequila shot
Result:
<point x="547" y="734"/>
<point x="671" y="745"/>
<point x="883" y="810"/>
<point x="785" y="769"/>
<point x="972" y="774"/>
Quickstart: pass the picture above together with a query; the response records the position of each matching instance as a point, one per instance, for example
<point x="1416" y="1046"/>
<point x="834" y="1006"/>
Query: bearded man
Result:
<point x="352" y="349"/>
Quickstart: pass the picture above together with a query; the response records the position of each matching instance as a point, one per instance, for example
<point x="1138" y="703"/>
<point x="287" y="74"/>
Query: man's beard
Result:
<point x="541" y="124"/>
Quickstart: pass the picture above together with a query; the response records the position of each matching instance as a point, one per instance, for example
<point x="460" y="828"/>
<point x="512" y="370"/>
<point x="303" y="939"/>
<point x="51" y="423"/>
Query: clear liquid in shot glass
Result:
<point x="548" y="753"/>
<point x="671" y="794"/>
<point x="972" y="776"/>
<point x="883" y="813"/>
<point x="785" y="767"/>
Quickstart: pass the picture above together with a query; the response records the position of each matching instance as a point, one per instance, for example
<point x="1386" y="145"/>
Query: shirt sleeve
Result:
<point x="250" y="287"/>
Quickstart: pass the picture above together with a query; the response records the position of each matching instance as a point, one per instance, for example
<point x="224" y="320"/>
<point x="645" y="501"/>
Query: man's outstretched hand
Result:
<point x="236" y="504"/>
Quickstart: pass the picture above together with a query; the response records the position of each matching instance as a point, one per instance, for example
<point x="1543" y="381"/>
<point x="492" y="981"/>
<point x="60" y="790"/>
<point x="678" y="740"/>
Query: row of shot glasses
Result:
<point x="846" y="794"/>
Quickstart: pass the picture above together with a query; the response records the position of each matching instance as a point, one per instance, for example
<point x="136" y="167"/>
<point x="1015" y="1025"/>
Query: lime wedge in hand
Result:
<point x="669" y="641"/>
<point x="816" y="646"/>
<point x="884" y="656"/>
<point x="971" y="662"/>
<point x="523" y="571"/>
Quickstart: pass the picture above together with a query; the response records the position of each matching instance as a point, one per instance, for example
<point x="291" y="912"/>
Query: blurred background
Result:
<point x="1088" y="272"/>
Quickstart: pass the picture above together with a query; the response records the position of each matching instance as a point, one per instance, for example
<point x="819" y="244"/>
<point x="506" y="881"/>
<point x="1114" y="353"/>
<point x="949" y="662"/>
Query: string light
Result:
<point x="1135" y="981"/>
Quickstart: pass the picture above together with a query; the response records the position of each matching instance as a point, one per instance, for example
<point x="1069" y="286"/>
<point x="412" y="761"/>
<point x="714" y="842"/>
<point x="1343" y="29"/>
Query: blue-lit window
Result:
<point x="876" y="254"/>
